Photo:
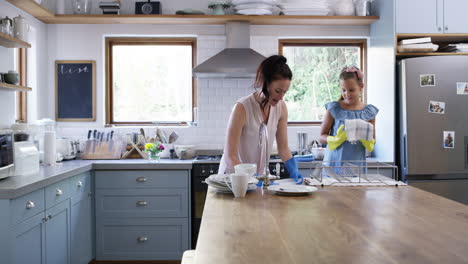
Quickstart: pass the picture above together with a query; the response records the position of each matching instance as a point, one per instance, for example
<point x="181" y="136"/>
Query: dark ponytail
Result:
<point x="271" y="69"/>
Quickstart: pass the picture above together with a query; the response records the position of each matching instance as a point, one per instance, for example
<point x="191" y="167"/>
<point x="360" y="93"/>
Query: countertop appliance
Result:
<point x="204" y="166"/>
<point x="7" y="162"/>
<point x="432" y="120"/>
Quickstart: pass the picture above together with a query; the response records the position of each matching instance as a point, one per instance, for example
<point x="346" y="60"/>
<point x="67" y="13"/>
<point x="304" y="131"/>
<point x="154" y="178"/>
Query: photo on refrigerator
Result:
<point x="462" y="87"/>
<point x="449" y="139"/>
<point x="436" y="107"/>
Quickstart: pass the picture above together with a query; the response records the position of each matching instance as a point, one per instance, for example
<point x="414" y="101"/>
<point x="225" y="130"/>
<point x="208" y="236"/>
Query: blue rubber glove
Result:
<point x="291" y="166"/>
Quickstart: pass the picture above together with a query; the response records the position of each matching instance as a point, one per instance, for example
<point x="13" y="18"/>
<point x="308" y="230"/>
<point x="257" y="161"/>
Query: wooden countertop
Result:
<point x="334" y="225"/>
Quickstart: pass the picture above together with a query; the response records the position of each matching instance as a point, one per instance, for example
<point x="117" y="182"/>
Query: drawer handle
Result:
<point x="141" y="179"/>
<point x="58" y="192"/>
<point x="142" y="239"/>
<point x="142" y="203"/>
<point x="79" y="184"/>
<point x="30" y="205"/>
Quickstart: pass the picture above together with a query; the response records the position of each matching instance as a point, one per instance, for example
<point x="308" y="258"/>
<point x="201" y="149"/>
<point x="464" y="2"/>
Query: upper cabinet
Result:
<point x="431" y="16"/>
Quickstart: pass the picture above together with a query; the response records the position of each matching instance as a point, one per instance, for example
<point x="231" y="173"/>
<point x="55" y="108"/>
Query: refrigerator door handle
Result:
<point x="404" y="152"/>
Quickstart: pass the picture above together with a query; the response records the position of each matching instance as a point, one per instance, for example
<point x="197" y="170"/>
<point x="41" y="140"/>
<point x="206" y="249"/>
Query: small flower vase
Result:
<point x="153" y="157"/>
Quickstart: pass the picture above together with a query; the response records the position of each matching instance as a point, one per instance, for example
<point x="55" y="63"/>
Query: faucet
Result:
<point x="263" y="143"/>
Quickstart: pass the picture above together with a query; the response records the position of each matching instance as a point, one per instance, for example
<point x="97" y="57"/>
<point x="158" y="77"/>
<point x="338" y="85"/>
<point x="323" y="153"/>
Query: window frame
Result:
<point x="138" y="41"/>
<point x="361" y="43"/>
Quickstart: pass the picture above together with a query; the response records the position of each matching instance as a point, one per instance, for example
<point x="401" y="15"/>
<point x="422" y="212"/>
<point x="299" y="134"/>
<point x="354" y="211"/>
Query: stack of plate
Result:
<point x="255" y="7"/>
<point x="218" y="182"/>
<point x="305" y="7"/>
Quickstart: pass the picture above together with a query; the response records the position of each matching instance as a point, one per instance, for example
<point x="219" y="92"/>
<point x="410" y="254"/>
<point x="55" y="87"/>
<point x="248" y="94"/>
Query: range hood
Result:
<point x="238" y="60"/>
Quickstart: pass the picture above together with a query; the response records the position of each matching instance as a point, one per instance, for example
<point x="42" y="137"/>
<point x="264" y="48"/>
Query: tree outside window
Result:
<point x="316" y="68"/>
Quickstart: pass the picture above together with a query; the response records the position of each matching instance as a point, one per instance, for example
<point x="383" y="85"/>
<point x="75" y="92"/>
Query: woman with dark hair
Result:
<point x="265" y="105"/>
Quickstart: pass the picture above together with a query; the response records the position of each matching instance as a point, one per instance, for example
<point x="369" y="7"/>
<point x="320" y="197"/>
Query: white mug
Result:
<point x="239" y="184"/>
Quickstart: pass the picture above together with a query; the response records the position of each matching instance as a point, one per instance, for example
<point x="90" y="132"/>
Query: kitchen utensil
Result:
<point x="111" y="144"/>
<point x="88" y="142"/>
<point x="161" y="135"/>
<point x="238" y="184"/>
<point x="94" y="140"/>
<point x="142" y="131"/>
<point x="173" y="137"/>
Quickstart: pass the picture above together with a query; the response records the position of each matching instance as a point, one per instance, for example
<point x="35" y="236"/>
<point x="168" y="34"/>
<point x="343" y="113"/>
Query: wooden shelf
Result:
<point x="11" y="42"/>
<point x="47" y="17"/>
<point x="211" y="19"/>
<point x="11" y="87"/>
<point x="439" y="39"/>
<point x="420" y="54"/>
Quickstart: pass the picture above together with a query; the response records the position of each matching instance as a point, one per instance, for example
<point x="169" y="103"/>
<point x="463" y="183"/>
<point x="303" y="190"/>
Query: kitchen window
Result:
<point x="316" y="65"/>
<point x="149" y="80"/>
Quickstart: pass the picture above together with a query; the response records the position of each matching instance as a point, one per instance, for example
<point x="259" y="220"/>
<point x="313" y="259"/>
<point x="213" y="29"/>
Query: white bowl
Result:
<point x="318" y="153"/>
<point x="185" y="151"/>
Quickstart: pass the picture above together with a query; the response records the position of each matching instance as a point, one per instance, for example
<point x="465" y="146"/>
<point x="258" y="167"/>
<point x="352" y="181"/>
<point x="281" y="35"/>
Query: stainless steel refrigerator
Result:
<point x="433" y="119"/>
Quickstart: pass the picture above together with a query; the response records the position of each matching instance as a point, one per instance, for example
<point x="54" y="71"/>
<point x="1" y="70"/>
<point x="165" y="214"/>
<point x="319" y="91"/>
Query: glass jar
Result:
<point x="153" y="156"/>
<point x="81" y="7"/>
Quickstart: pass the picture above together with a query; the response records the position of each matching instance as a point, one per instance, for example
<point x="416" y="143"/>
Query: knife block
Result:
<point x="109" y="149"/>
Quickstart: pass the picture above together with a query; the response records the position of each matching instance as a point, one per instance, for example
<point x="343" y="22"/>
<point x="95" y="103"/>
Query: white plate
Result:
<point x="290" y="189"/>
<point x="254" y="6"/>
<point x="222" y="190"/>
<point x="219" y="178"/>
<point x="254" y="12"/>
<point x="241" y="2"/>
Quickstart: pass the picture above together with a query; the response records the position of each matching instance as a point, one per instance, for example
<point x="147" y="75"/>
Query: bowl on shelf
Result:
<point x="11" y="77"/>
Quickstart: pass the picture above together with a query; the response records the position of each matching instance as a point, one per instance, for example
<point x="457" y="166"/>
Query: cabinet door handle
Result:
<point x="30" y="205"/>
<point x="49" y="217"/>
<point x="58" y="192"/>
<point x="446" y="28"/>
<point x="142" y="239"/>
<point x="142" y="203"/>
<point x="79" y="184"/>
<point x="439" y="28"/>
<point x="141" y="179"/>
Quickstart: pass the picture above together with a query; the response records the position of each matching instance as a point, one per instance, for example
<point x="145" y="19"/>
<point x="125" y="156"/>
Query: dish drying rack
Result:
<point x="353" y="173"/>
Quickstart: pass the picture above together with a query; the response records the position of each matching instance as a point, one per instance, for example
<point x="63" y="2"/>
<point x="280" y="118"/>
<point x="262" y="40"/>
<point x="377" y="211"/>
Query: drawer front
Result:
<point x="142" y="239"/>
<point x="142" y="179"/>
<point x="80" y="185"/>
<point x="142" y="203"/>
<point x="27" y="206"/>
<point x="57" y="192"/>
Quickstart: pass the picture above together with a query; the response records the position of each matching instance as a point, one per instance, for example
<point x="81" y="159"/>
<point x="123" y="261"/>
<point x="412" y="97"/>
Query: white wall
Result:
<point x="381" y="78"/>
<point x="36" y="67"/>
<point x="216" y="97"/>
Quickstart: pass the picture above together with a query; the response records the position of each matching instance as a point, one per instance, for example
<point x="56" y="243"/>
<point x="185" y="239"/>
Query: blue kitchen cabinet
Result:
<point x="57" y="234"/>
<point x="28" y="241"/>
<point x="142" y="214"/>
<point x="431" y="16"/>
<point x="52" y="225"/>
<point x="81" y="227"/>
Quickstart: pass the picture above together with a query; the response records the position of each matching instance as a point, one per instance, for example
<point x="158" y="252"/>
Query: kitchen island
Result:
<point x="334" y="225"/>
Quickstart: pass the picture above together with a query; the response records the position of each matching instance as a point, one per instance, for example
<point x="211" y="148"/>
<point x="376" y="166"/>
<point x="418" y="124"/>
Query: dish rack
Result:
<point x="353" y="173"/>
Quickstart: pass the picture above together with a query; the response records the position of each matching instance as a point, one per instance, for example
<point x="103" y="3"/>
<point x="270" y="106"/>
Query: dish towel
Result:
<point x="357" y="129"/>
<point x="304" y="158"/>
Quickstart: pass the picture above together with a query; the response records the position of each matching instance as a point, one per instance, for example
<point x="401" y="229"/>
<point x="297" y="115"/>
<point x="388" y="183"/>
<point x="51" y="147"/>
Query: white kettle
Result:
<point x="21" y="28"/>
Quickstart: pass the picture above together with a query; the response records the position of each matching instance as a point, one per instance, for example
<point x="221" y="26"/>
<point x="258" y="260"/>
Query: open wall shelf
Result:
<point x="439" y="39"/>
<point x="11" y="87"/>
<point x="48" y="17"/>
<point x="11" y="42"/>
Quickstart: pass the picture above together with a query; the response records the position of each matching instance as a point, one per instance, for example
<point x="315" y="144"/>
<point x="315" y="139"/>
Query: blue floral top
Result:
<point x="348" y="151"/>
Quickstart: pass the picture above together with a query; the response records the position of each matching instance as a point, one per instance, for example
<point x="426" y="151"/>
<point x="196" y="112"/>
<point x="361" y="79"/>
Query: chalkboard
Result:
<point x="75" y="91"/>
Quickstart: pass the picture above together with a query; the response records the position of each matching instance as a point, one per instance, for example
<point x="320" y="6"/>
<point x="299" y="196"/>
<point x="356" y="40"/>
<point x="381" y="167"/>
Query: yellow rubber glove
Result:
<point x="368" y="144"/>
<point x="335" y="141"/>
